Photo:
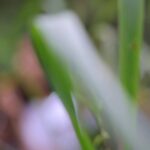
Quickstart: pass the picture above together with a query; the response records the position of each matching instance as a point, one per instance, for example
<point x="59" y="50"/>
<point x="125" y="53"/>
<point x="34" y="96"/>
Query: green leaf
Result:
<point x="61" y="81"/>
<point x="131" y="20"/>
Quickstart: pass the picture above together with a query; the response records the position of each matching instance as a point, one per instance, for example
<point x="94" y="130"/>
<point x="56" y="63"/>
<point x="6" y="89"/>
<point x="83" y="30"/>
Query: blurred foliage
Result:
<point x="93" y="13"/>
<point x="15" y="15"/>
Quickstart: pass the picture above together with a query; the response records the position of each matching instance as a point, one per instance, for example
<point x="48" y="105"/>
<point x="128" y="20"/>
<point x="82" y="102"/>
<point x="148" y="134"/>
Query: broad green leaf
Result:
<point x="57" y="74"/>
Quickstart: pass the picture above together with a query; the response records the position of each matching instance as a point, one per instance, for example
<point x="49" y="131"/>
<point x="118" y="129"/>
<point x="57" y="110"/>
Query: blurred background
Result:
<point x="32" y="116"/>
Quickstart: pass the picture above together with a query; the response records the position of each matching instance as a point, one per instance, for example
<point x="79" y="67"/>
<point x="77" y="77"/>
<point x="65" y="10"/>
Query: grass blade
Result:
<point x="61" y="81"/>
<point x="131" y="14"/>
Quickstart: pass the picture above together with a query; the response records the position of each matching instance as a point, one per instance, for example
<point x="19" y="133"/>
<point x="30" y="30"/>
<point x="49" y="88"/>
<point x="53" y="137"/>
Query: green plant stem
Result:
<point x="131" y="14"/>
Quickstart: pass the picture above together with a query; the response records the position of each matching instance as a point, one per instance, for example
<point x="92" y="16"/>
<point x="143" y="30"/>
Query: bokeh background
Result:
<point x="25" y="92"/>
